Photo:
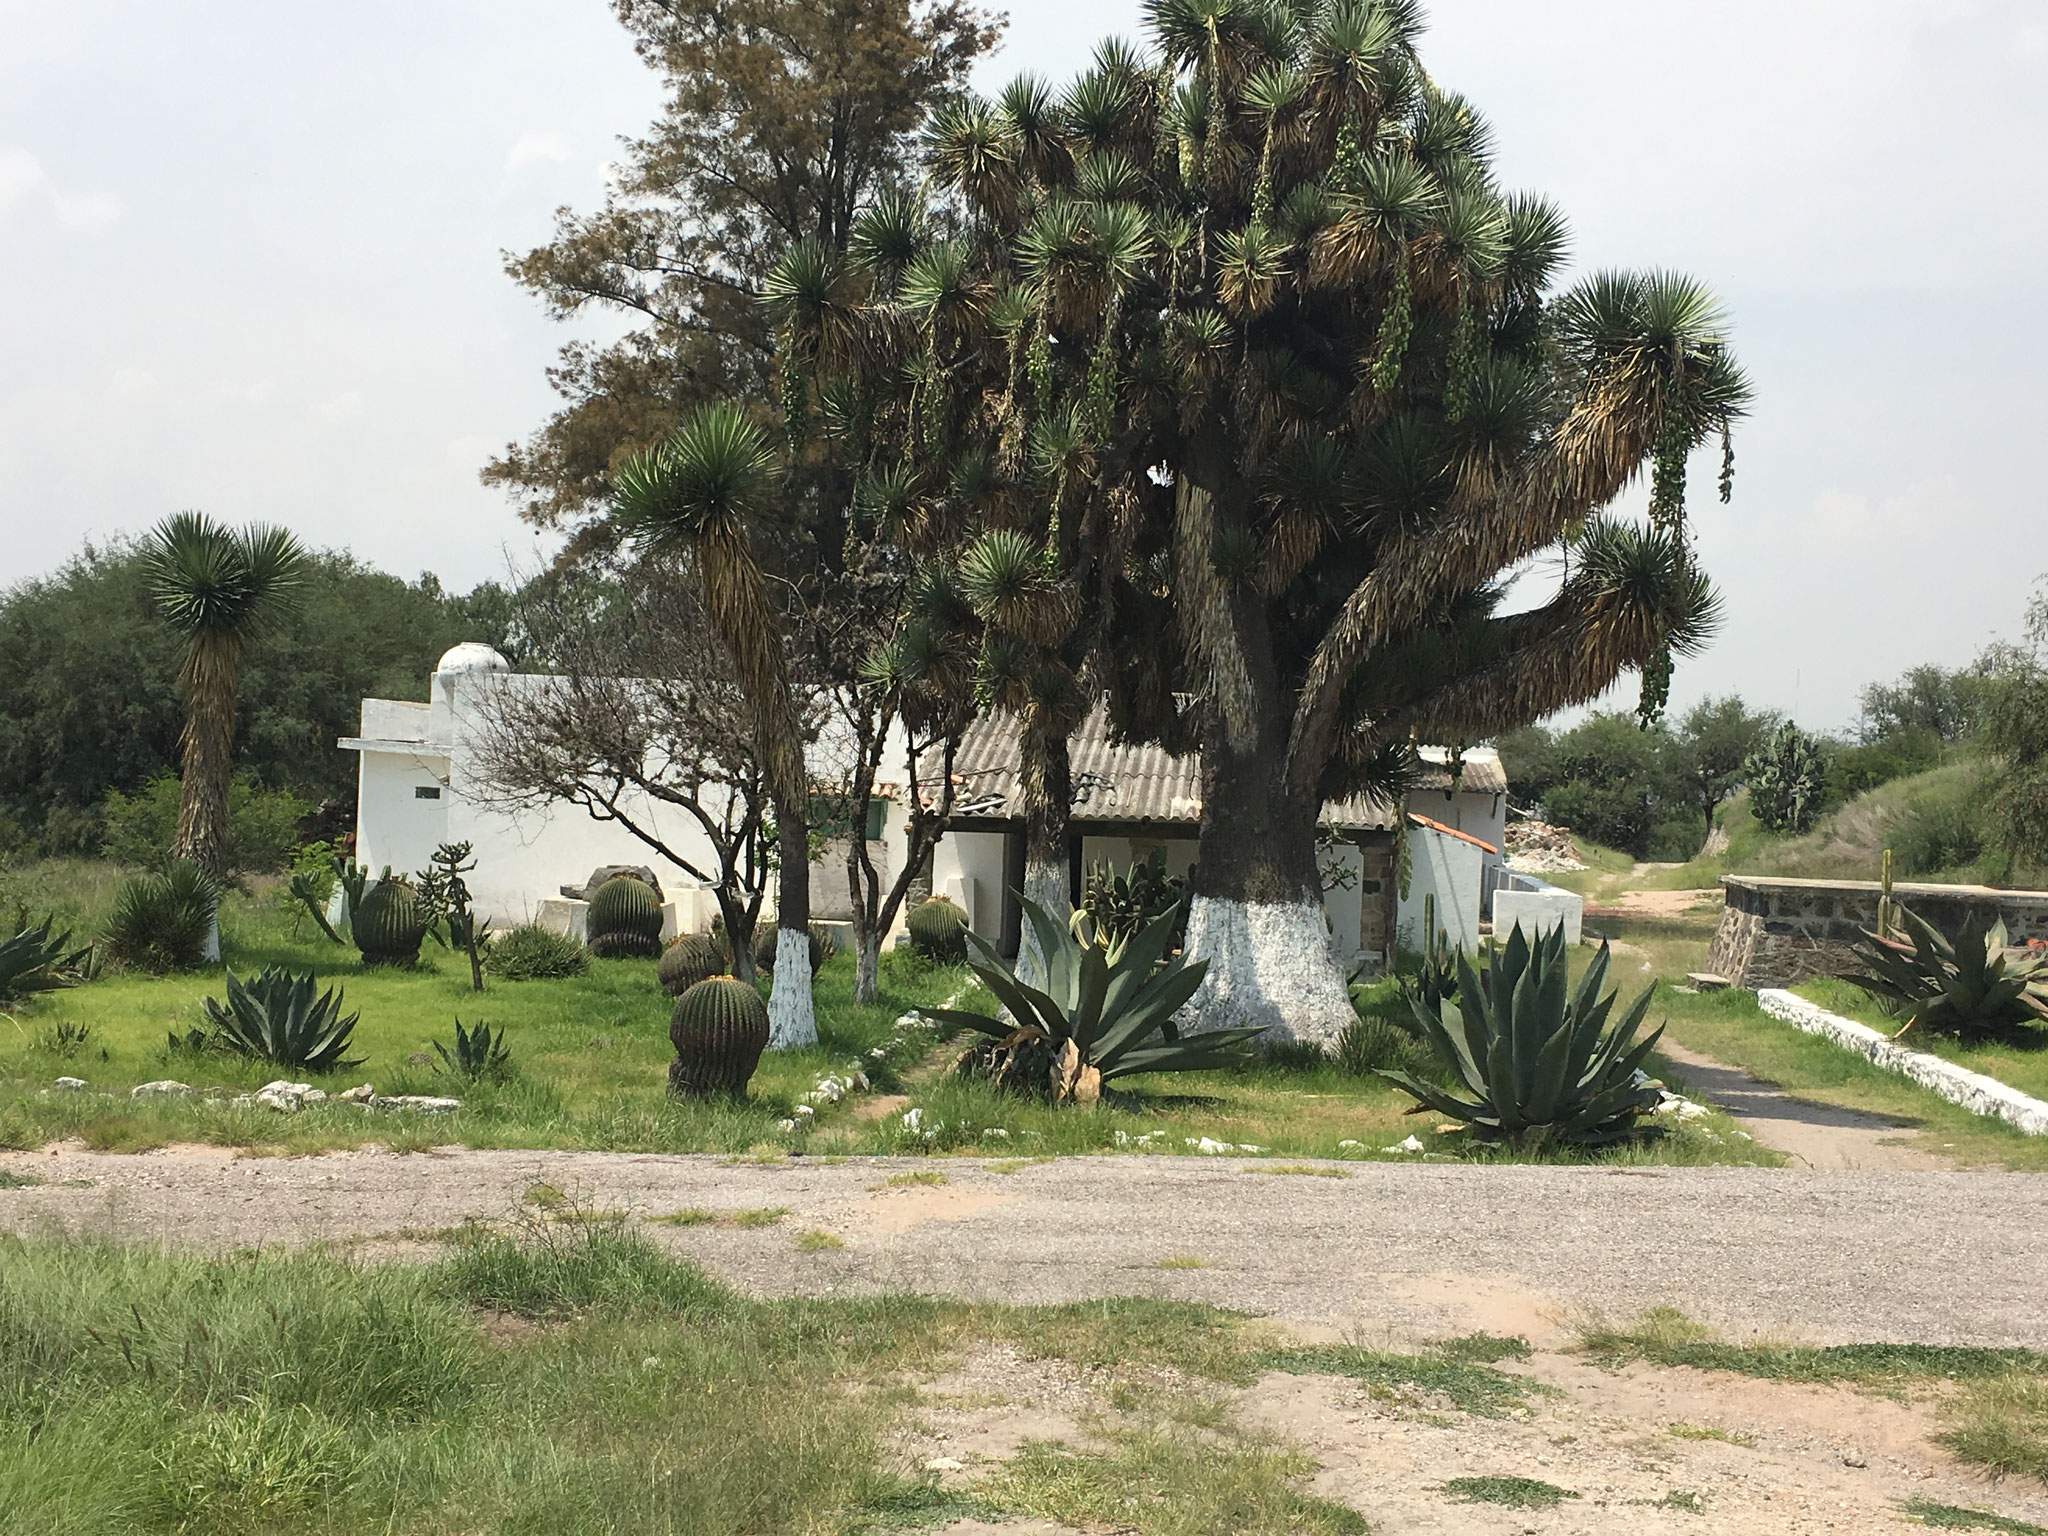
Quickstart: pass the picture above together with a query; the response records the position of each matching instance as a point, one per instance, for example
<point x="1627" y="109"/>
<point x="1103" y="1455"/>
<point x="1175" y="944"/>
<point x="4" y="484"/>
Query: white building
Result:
<point x="416" y="759"/>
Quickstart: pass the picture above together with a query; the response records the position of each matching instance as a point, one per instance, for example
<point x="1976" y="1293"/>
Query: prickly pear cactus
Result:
<point x="719" y="1029"/>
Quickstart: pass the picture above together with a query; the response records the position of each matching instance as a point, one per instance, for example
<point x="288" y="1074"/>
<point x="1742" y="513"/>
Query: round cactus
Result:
<point x="388" y="924"/>
<point x="938" y="930"/>
<point x="719" y="1029"/>
<point x="767" y="941"/>
<point x="624" y="919"/>
<point x="692" y="958"/>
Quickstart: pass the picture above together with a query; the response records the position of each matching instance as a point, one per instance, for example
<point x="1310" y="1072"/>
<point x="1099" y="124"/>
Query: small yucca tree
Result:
<point x="219" y="588"/>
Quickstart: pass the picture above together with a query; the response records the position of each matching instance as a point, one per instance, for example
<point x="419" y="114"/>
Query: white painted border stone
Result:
<point x="1977" y="1093"/>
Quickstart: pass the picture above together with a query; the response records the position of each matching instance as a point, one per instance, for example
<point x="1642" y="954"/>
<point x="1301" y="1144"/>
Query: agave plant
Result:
<point x="1968" y="988"/>
<point x="275" y="1017"/>
<point x="479" y="1053"/>
<point x="1105" y="1011"/>
<point x="1535" y="1055"/>
<point x="32" y="961"/>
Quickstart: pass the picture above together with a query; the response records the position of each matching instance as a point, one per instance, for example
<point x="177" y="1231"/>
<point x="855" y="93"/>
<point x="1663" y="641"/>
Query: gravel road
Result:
<point x="1824" y="1255"/>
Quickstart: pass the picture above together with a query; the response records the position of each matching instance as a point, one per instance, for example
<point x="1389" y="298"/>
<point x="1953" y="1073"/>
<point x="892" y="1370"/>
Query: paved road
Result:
<point x="1831" y="1256"/>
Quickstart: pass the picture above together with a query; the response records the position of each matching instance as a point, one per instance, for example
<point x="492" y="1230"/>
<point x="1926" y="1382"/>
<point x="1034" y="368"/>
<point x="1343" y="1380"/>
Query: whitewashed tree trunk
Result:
<point x="1270" y="967"/>
<point x="792" y="1017"/>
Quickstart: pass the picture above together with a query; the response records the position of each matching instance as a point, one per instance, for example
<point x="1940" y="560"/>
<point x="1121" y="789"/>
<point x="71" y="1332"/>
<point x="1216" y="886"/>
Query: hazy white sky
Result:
<point x="249" y="261"/>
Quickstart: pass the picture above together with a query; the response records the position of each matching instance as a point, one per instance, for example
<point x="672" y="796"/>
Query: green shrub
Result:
<point x="263" y="824"/>
<point x="1939" y="830"/>
<point x="533" y="953"/>
<point x="1911" y="750"/>
<point x="1787" y="778"/>
<point x="161" y="922"/>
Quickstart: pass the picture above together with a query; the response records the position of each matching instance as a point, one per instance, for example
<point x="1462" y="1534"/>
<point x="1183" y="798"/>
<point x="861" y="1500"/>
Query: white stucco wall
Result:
<point x="1448" y="868"/>
<point x="1538" y="910"/>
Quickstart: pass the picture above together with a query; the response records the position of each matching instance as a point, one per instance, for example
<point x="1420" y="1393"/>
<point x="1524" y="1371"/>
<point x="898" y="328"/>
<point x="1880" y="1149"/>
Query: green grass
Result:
<point x="1457" y="1373"/>
<point x="1953" y="1517"/>
<point x="567" y="1377"/>
<point x="2022" y="1064"/>
<point x="1708" y="1432"/>
<point x="1995" y="1401"/>
<point x="1514" y="1492"/>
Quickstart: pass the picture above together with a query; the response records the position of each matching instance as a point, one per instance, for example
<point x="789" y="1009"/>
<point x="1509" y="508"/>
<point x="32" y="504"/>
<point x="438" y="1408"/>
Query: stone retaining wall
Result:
<point x="1776" y="933"/>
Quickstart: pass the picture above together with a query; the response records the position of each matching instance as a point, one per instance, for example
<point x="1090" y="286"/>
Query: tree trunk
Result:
<point x="867" y="968"/>
<point x="210" y="679"/>
<point x="1257" y="915"/>
<point x="1047" y="782"/>
<point x="792" y="1019"/>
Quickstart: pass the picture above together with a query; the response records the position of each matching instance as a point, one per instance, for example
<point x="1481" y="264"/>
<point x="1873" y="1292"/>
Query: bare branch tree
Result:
<point x="642" y="714"/>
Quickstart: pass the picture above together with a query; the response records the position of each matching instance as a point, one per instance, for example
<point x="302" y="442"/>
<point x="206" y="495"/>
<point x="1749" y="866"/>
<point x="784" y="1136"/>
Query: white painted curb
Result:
<point x="1977" y="1093"/>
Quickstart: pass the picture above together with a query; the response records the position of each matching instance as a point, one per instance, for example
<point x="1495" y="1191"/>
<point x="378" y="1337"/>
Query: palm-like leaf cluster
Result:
<point x="275" y="1017"/>
<point x="1534" y="1054"/>
<point x="211" y="580"/>
<point x="1104" y="1012"/>
<point x="1971" y="988"/>
<point x="33" y="961"/>
<point x="1231" y="371"/>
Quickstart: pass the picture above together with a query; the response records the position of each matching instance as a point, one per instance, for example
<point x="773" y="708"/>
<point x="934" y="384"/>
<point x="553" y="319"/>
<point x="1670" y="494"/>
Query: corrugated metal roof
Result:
<point x="1115" y="781"/>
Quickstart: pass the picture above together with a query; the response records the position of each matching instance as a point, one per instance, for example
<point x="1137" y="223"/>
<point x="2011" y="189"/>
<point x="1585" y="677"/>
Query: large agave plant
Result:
<point x="1968" y="988"/>
<point x="32" y="961"/>
<point x="1534" y="1054"/>
<point x="1106" y="1011"/>
<point x="275" y="1017"/>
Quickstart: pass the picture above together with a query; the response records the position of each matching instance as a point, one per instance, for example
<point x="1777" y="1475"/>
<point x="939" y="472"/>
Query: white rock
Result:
<point x="828" y="1091"/>
<point x="426" y="1103"/>
<point x="1207" y="1147"/>
<point x="1350" y="1143"/>
<point x="880" y="1053"/>
<point x="945" y="1464"/>
<point x="163" y="1088"/>
<point x="1245" y="1146"/>
<point x="362" y="1093"/>
<point x="913" y="1120"/>
<point x="71" y="1085"/>
<point x="805" y="1112"/>
<point x="242" y="1101"/>
<point x="997" y="1133"/>
<point x="859" y="1082"/>
<point x="785" y="1126"/>
<point x="1412" y="1144"/>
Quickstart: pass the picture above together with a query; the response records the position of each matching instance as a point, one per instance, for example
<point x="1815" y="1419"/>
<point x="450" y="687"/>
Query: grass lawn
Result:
<point x="591" y="1054"/>
<point x="573" y="1380"/>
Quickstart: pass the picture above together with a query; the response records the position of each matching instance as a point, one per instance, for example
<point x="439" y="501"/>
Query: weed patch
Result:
<point x="1514" y="1492"/>
<point x="1458" y="1372"/>
<point x="1953" y="1517"/>
<point x="815" y="1241"/>
<point x="1709" y="1432"/>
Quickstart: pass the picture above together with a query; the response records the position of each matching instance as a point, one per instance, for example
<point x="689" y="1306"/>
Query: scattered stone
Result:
<point x="288" y="1098"/>
<point x="945" y="1464"/>
<point x="785" y="1126"/>
<point x="362" y="1093"/>
<point x="1707" y="981"/>
<point x="805" y="1112"/>
<point x="995" y="1133"/>
<point x="1350" y="1144"/>
<point x="1409" y="1144"/>
<point x="163" y="1088"/>
<point x="71" y="1085"/>
<point x="1538" y="848"/>
<point x="1853" y="1458"/>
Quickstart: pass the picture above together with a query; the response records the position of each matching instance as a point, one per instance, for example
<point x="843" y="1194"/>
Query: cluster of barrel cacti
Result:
<point x="624" y="919"/>
<point x="692" y="958"/>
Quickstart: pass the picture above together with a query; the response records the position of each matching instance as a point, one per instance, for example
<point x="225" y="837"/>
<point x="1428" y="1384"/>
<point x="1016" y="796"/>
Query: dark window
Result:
<point x="427" y="792"/>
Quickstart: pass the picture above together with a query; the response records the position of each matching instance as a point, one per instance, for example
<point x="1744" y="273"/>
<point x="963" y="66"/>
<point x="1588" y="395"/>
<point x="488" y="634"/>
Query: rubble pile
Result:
<point x="1538" y="848"/>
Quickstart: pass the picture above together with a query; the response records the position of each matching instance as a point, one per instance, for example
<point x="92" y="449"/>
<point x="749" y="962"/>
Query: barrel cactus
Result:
<point x="719" y="1029"/>
<point x="938" y="930"/>
<point x="694" y="957"/>
<point x="624" y="919"/>
<point x="389" y="923"/>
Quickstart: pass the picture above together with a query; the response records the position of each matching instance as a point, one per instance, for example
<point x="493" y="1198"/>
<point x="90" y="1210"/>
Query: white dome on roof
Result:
<point x="471" y="656"/>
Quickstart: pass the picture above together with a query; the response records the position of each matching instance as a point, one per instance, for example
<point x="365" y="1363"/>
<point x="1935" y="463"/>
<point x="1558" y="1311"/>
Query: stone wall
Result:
<point x="1377" y="888"/>
<point x="1777" y="933"/>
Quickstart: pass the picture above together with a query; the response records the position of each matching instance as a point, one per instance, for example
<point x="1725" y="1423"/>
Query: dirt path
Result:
<point x="1812" y="1135"/>
<point x="1827" y="1255"/>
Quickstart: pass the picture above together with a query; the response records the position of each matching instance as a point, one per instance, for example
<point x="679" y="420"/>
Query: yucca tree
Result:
<point x="1243" y="341"/>
<point x="709" y="491"/>
<point x="219" y="588"/>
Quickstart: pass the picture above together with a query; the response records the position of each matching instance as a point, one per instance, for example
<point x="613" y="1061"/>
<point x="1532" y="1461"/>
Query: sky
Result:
<point x="251" y="262"/>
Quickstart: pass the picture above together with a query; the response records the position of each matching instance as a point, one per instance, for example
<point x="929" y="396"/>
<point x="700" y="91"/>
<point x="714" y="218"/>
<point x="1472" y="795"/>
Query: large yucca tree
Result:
<point x="219" y="588"/>
<point x="1242" y="339"/>
<point x="708" y="491"/>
